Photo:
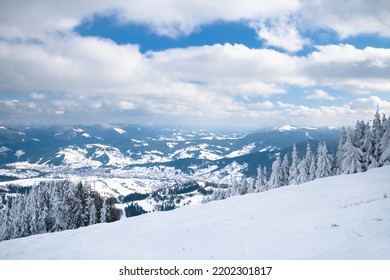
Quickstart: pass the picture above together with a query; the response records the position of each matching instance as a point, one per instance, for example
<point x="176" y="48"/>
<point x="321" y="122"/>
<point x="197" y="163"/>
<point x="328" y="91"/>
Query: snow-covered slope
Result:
<point x="342" y="217"/>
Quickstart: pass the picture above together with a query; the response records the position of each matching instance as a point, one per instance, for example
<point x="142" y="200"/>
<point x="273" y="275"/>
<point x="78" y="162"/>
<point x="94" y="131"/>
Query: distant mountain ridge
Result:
<point x="113" y="149"/>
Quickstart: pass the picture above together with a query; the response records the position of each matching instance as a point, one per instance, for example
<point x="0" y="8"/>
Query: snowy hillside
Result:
<point x="341" y="217"/>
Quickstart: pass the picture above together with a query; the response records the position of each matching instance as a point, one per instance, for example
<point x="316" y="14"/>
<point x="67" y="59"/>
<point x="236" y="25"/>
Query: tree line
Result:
<point x="53" y="206"/>
<point x="360" y="149"/>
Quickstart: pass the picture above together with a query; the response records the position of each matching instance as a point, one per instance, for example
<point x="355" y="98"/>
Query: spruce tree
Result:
<point x="285" y="171"/>
<point x="104" y="212"/>
<point x="340" y="151"/>
<point x="276" y="178"/>
<point x="377" y="131"/>
<point x="352" y="155"/>
<point x="293" y="172"/>
<point x="385" y="144"/>
<point x="324" y="161"/>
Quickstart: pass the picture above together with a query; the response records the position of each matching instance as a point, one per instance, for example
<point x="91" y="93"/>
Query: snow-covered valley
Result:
<point x="340" y="217"/>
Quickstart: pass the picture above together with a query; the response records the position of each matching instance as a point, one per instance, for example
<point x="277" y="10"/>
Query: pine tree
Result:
<point x="104" y="212"/>
<point x="358" y="134"/>
<point x="302" y="172"/>
<point x="309" y="158"/>
<point x="261" y="182"/>
<point x="324" y="161"/>
<point x="377" y="131"/>
<point x="243" y="186"/>
<point x="251" y="185"/>
<point x="258" y="179"/>
<point x="285" y="171"/>
<point x="351" y="162"/>
<point x="293" y="172"/>
<point x="6" y="224"/>
<point x="92" y="214"/>
<point x="385" y="144"/>
<point x="367" y="148"/>
<point x="340" y="152"/>
<point x="59" y="208"/>
<point x="276" y="178"/>
<point x="312" y="169"/>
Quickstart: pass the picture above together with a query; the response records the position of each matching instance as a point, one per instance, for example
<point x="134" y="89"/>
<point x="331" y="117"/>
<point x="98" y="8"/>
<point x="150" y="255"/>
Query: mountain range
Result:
<point x="117" y="150"/>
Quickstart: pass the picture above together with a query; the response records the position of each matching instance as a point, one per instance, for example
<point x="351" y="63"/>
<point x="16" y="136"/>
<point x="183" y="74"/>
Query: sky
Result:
<point x="197" y="63"/>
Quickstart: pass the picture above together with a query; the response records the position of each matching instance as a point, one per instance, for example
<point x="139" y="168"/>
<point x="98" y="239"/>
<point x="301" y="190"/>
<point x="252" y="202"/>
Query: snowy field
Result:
<point x="341" y="217"/>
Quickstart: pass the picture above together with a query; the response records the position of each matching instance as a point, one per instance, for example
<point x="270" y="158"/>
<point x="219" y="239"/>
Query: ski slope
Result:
<point x="341" y="217"/>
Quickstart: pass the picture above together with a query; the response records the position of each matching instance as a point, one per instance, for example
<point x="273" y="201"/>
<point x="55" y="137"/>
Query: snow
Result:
<point x="171" y="144"/>
<point x="341" y="217"/>
<point x="4" y="149"/>
<point x="244" y="151"/>
<point x="291" y="127"/>
<point x="76" y="158"/>
<point x="286" y="128"/>
<point x="86" y="135"/>
<point x="19" y="153"/>
<point x="119" y="130"/>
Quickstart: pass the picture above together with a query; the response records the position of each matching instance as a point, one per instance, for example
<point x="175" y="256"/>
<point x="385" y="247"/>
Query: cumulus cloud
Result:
<point x="350" y="69"/>
<point x="37" y="96"/>
<point x="73" y="77"/>
<point x="319" y="94"/>
<point x="349" y="17"/>
<point x="280" y="33"/>
<point x="370" y="103"/>
<point x="170" y="18"/>
<point x="176" y="17"/>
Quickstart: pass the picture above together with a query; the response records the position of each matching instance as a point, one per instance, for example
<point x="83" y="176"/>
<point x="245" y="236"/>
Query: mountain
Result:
<point x="133" y="151"/>
<point x="340" y="217"/>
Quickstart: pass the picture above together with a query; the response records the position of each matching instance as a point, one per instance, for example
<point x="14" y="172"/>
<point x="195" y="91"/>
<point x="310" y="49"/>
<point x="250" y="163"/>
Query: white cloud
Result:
<point x="177" y="17"/>
<point x="94" y="78"/>
<point x="37" y="96"/>
<point x="348" y="17"/>
<point x="170" y="17"/>
<point x="281" y="33"/>
<point x="319" y="94"/>
<point x="350" y="69"/>
<point x="125" y="105"/>
<point x="370" y="104"/>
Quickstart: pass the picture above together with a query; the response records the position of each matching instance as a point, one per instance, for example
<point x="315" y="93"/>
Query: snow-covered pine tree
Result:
<point x="377" y="131"/>
<point x="385" y="143"/>
<point x="59" y="207"/>
<point x="285" y="171"/>
<point x="367" y="147"/>
<point x="340" y="152"/>
<point x="243" y="186"/>
<point x="302" y="172"/>
<point x="309" y="158"/>
<point x="312" y="169"/>
<point x="352" y="155"/>
<point x="258" y="178"/>
<point x="104" y="212"/>
<point x="92" y="214"/>
<point x="358" y="134"/>
<point x="261" y="181"/>
<point x="5" y="233"/>
<point x="293" y="172"/>
<point x="324" y="162"/>
<point x="251" y="185"/>
<point x="276" y="178"/>
<point x="234" y="186"/>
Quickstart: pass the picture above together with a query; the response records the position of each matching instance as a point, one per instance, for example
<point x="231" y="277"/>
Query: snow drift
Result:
<point x="341" y="217"/>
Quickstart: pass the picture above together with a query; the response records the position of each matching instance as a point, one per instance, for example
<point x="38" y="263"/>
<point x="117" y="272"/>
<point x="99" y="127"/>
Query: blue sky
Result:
<point x="239" y="64"/>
